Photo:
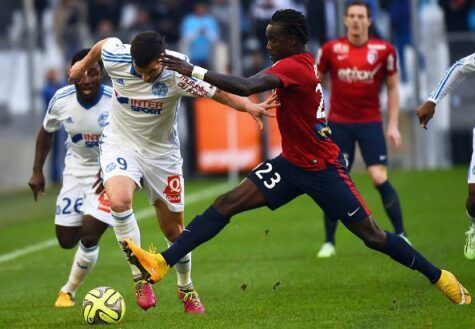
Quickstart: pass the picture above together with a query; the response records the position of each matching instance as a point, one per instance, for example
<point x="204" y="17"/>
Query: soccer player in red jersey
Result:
<point x="357" y="67"/>
<point x="310" y="162"/>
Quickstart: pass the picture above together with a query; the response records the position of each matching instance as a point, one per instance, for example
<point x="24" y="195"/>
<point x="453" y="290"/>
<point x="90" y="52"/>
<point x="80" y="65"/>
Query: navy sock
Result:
<point x="330" y="229"/>
<point x="391" y="205"/>
<point x="202" y="228"/>
<point x="399" y="250"/>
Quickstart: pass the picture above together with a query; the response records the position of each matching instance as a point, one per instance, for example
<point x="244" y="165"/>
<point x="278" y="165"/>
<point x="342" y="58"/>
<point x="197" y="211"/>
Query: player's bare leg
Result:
<point x="469" y="250"/>
<point x="398" y="249"/>
<point x="172" y="224"/>
<point x="120" y="191"/>
<point x="379" y="176"/>
<point x="68" y="238"/>
<point x="85" y="258"/>
<point x="154" y="267"/>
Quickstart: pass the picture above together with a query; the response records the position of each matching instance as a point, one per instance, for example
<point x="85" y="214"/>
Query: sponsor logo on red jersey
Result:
<point x="173" y="189"/>
<point x="355" y="75"/>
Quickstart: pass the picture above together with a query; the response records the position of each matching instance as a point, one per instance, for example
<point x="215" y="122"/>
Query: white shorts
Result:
<point x="162" y="178"/>
<point x="77" y="198"/>
<point x="471" y="169"/>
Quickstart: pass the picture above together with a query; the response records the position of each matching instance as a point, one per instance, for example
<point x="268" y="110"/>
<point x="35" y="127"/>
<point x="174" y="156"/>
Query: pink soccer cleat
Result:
<point x="191" y="301"/>
<point x="144" y="294"/>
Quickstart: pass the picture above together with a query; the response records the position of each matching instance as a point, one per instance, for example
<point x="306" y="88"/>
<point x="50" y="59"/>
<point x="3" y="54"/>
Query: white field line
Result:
<point x="141" y="214"/>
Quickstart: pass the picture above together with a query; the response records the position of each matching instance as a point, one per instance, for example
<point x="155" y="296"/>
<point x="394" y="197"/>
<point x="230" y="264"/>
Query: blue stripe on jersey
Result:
<point x="116" y="61"/>
<point x="447" y="75"/>
<point x="59" y="96"/>
<point x="108" y="91"/>
<point x="109" y="54"/>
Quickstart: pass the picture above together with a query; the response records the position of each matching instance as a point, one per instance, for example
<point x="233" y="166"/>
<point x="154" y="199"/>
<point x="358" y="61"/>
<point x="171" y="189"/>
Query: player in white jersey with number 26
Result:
<point x="140" y="146"/>
<point x="452" y="78"/>
<point x="81" y="214"/>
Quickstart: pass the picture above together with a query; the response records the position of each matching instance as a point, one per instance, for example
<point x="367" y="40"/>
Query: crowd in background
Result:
<point x="194" y="27"/>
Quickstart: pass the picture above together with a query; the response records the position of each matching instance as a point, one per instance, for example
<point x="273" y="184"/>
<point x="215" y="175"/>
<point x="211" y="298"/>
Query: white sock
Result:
<point x="125" y="226"/>
<point x="84" y="261"/>
<point x="183" y="270"/>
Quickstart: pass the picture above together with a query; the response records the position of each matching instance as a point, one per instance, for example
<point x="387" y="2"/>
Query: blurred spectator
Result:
<point x="141" y="22"/>
<point x="98" y="10"/>
<point x="199" y="31"/>
<point x="400" y="15"/>
<point x="105" y="29"/>
<point x="70" y="26"/>
<point x="169" y="14"/>
<point x="52" y="84"/>
<point x="261" y="13"/>
<point x="322" y="25"/>
<point x="456" y="14"/>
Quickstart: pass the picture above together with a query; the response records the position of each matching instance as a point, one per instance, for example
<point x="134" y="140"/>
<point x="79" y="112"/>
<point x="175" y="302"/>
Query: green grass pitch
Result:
<point x="271" y="254"/>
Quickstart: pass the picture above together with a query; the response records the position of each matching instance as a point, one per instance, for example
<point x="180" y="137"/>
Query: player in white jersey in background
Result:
<point x="141" y="146"/>
<point x="452" y="78"/>
<point x="81" y="215"/>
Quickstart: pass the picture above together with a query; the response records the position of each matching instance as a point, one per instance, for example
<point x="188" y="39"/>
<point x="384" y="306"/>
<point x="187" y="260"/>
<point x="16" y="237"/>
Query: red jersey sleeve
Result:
<point x="390" y="64"/>
<point x="323" y="59"/>
<point x="285" y="70"/>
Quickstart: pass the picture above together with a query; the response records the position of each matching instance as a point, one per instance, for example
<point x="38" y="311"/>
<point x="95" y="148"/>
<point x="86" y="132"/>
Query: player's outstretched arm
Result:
<point x="232" y="84"/>
<point x="244" y="104"/>
<point x="393" y="133"/>
<point x="44" y="141"/>
<point x="450" y="81"/>
<point x="78" y="69"/>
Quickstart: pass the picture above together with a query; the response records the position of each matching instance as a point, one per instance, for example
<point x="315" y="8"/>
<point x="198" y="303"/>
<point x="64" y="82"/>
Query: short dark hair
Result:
<point x="293" y="22"/>
<point x="358" y="3"/>
<point x="146" y="47"/>
<point x="81" y="54"/>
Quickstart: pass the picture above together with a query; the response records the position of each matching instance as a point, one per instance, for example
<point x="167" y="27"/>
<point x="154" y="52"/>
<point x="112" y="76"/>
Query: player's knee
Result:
<point x="120" y="203"/>
<point x="374" y="238"/>
<point x="67" y="242"/>
<point x="90" y="240"/>
<point x="378" y="175"/>
<point x="172" y="232"/>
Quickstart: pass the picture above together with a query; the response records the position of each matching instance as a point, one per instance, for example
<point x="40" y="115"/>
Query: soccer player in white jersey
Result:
<point x="81" y="215"/>
<point x="140" y="146"/>
<point x="452" y="78"/>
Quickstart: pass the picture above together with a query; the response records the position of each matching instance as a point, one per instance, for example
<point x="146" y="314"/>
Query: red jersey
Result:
<point x="357" y="74"/>
<point x="301" y="116"/>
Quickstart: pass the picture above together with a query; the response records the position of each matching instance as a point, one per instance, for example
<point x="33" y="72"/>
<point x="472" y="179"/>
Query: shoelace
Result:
<point x="152" y="249"/>
<point x="470" y="234"/>
<point x="191" y="295"/>
<point x="140" y="289"/>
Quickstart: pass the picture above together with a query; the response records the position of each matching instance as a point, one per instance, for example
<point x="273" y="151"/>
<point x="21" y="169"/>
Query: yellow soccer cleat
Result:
<point x="153" y="266"/>
<point x="64" y="300"/>
<point x="451" y="287"/>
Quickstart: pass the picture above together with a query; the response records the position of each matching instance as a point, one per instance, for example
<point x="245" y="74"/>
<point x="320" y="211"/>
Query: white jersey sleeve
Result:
<point x="188" y="86"/>
<point x="453" y="77"/>
<point x="116" y="56"/>
<point x="57" y="111"/>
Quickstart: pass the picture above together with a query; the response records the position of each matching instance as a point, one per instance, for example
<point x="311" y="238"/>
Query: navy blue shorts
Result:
<point x="332" y="189"/>
<point x="370" y="138"/>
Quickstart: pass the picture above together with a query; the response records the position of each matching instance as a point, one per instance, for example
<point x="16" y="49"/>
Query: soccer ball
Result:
<point x="103" y="305"/>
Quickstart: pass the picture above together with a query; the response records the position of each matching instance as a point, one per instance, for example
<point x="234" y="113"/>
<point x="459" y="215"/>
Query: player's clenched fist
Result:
<point x="425" y="113"/>
<point x="37" y="184"/>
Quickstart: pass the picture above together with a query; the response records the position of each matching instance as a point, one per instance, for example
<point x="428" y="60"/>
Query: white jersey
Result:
<point x="453" y="77"/>
<point x="144" y="115"/>
<point x="83" y="124"/>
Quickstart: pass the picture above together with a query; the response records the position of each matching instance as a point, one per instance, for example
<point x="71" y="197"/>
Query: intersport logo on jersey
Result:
<point x="146" y="106"/>
<point x="355" y="75"/>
